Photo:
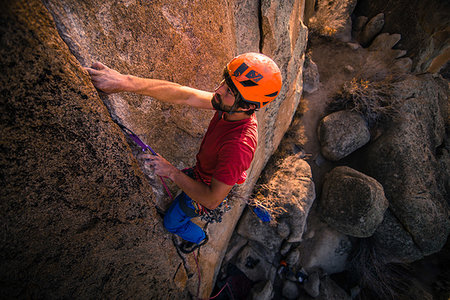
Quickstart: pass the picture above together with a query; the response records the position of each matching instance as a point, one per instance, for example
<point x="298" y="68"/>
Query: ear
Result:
<point x="252" y="106"/>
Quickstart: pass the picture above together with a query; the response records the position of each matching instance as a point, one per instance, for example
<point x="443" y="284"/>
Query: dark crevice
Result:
<point x="260" y="23"/>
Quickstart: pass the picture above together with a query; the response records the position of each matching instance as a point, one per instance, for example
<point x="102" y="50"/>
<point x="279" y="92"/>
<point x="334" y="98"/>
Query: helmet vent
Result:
<point x="248" y="83"/>
<point x="272" y="95"/>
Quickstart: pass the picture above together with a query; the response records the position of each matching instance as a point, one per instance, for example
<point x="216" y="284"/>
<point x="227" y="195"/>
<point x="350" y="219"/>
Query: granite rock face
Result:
<point x="405" y="161"/>
<point x="77" y="205"/>
<point x="77" y="213"/>
<point x="153" y="40"/>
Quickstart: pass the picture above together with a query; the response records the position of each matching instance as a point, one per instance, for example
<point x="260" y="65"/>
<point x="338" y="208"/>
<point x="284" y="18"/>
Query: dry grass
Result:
<point x="266" y="198"/>
<point x="379" y="280"/>
<point x="330" y="16"/>
<point x="376" y="101"/>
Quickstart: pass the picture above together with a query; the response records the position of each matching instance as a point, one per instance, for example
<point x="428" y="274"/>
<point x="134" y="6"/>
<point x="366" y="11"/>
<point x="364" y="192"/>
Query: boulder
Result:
<point x="253" y="264"/>
<point x="358" y="26"/>
<point x="324" y="248"/>
<point x="404" y="161"/>
<point x="403" y="64"/>
<point x="251" y="228"/>
<point x="290" y="290"/>
<point x="312" y="285"/>
<point x="288" y="186"/>
<point x="352" y="202"/>
<point x="422" y="24"/>
<point x="341" y="133"/>
<point x="310" y="76"/>
<point x="384" y="41"/>
<point x="292" y="258"/>
<point x="394" y="242"/>
<point x="371" y="30"/>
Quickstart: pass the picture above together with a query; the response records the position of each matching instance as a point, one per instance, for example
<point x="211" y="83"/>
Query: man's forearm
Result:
<point x="162" y="90"/>
<point x="196" y="190"/>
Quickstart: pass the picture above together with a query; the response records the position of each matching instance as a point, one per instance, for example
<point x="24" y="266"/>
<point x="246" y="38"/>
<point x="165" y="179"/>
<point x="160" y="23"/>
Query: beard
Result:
<point x="216" y="102"/>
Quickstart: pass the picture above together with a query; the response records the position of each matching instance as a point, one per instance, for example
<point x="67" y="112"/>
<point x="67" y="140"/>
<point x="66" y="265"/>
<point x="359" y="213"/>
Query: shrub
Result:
<point x="266" y="198"/>
<point x="330" y="16"/>
<point x="376" y="101"/>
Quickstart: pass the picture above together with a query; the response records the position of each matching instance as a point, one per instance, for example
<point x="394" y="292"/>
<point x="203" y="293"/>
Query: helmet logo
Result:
<point x="250" y="79"/>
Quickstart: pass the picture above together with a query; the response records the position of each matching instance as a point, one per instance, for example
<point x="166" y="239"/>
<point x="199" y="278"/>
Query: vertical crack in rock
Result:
<point x="73" y="46"/>
<point x="260" y="23"/>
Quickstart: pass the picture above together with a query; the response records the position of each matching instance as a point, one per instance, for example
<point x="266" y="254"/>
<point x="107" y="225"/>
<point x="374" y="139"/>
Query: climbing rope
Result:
<point x="144" y="148"/>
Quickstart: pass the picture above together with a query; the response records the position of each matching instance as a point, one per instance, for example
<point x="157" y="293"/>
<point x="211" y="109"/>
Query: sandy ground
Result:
<point x="337" y="63"/>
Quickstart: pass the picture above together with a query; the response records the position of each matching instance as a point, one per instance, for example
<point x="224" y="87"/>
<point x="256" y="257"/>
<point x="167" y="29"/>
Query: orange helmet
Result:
<point x="256" y="77"/>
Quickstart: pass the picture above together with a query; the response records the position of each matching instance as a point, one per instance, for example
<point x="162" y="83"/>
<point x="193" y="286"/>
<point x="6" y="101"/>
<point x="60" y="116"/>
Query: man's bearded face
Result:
<point x="217" y="103"/>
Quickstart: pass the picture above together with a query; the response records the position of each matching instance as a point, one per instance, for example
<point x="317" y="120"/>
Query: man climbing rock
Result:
<point x="250" y="81"/>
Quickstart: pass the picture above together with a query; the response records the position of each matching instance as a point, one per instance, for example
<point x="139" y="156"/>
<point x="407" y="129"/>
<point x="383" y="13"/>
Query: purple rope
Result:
<point x="144" y="147"/>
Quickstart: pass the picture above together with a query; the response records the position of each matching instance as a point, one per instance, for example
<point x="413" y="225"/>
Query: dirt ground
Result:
<point x="337" y="63"/>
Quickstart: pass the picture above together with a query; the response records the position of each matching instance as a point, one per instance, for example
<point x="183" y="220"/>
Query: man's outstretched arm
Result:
<point x="111" y="81"/>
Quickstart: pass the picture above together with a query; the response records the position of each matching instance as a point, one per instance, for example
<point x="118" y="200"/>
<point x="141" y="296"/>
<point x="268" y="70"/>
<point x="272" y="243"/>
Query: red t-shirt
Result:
<point x="227" y="150"/>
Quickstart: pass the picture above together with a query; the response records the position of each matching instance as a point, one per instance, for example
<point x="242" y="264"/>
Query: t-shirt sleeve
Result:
<point x="234" y="159"/>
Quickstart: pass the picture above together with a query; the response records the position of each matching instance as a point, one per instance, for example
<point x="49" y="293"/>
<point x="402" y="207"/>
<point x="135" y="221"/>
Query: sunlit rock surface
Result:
<point x="77" y="207"/>
<point x="77" y="219"/>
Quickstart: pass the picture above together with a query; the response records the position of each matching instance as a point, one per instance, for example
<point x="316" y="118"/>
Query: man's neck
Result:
<point x="237" y="116"/>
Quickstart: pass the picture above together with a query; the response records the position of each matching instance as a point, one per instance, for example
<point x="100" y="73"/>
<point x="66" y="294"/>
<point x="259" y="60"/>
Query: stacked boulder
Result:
<point x="405" y="165"/>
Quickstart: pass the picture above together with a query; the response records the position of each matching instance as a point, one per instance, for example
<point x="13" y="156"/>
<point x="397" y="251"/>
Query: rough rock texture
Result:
<point x="77" y="214"/>
<point x="385" y="41"/>
<point x="251" y="227"/>
<point x="324" y="248"/>
<point x="370" y="30"/>
<point x="424" y="26"/>
<point x="288" y="185"/>
<point x="254" y="263"/>
<point x="284" y="39"/>
<point x="149" y="39"/>
<point x="246" y="18"/>
<point x="341" y="133"/>
<point x="290" y="290"/>
<point x="404" y="161"/>
<point x="312" y="285"/>
<point x="396" y="244"/>
<point x="352" y="202"/>
<point x="311" y="76"/>
<point x="153" y="40"/>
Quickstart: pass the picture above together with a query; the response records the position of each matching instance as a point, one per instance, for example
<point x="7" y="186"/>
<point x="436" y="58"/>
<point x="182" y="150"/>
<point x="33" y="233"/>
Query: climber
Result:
<point x="250" y="81"/>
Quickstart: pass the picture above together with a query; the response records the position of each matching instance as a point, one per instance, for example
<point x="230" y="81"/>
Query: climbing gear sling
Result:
<point x="144" y="148"/>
